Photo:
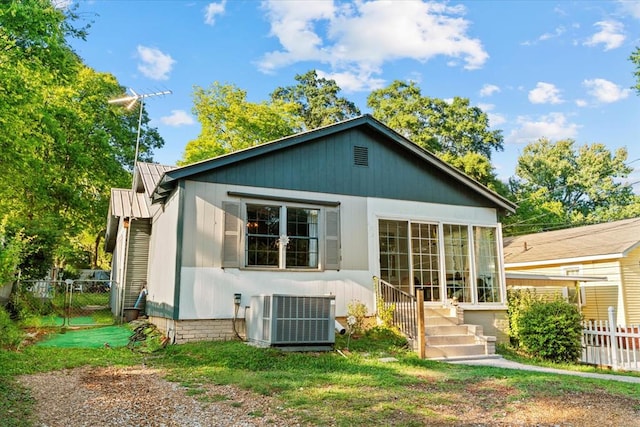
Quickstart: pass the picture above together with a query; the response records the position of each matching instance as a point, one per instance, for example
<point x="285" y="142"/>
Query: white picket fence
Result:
<point x="617" y="347"/>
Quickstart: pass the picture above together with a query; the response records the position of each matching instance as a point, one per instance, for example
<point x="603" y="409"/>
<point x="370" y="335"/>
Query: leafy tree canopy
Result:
<point x="230" y="122"/>
<point x="453" y="130"/>
<point x="63" y="146"/>
<point x="316" y="100"/>
<point x="558" y="184"/>
<point x="635" y="59"/>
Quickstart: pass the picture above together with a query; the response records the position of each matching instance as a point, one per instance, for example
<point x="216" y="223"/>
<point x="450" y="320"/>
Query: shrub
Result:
<point x="10" y="335"/>
<point x="356" y="314"/>
<point x="551" y="330"/>
<point x="519" y="301"/>
<point x="385" y="312"/>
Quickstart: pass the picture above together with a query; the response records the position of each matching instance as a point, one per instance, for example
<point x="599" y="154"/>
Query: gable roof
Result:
<point x="599" y="241"/>
<point x="170" y="179"/>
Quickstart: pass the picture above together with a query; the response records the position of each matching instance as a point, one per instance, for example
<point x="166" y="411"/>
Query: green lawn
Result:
<point x="348" y="388"/>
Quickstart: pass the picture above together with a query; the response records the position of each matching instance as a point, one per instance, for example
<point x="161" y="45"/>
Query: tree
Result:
<point x="230" y="123"/>
<point x="454" y="130"/>
<point x="558" y="184"/>
<point x="316" y="100"/>
<point x="62" y="146"/>
<point x="635" y="58"/>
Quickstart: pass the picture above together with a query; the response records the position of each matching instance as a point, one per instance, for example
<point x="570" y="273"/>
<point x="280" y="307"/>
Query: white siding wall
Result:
<point x="162" y="254"/>
<point x="206" y="289"/>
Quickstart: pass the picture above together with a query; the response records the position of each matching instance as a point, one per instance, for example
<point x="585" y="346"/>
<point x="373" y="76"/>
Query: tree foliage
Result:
<point x="454" y="130"/>
<point x="635" y="59"/>
<point x="558" y="184"/>
<point x="62" y="145"/>
<point x="230" y="122"/>
<point x="316" y="100"/>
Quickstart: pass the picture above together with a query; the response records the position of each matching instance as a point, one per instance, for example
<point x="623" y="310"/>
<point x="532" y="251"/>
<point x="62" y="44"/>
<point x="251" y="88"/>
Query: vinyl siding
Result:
<point x="598" y="301"/>
<point x="630" y="267"/>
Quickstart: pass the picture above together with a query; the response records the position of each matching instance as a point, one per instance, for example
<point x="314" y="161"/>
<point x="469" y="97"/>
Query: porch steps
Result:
<point x="447" y="338"/>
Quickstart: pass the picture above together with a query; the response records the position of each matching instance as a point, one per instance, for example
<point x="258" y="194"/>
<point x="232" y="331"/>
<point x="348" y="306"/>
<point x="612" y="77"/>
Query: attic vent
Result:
<point x="360" y="156"/>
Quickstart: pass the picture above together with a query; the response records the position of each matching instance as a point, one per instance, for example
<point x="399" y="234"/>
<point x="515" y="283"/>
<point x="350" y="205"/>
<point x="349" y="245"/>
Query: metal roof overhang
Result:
<point x="552" y="279"/>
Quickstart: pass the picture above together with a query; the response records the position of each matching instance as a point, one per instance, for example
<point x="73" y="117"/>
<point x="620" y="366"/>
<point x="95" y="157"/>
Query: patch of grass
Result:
<point x="511" y="353"/>
<point x="354" y="388"/>
<point x="16" y="404"/>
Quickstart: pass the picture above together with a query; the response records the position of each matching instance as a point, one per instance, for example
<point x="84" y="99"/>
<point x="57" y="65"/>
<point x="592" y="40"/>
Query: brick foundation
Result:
<point x="184" y="331"/>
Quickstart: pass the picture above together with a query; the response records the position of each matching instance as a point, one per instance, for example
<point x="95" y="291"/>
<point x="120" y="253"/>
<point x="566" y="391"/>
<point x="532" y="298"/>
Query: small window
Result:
<point x="360" y="156"/>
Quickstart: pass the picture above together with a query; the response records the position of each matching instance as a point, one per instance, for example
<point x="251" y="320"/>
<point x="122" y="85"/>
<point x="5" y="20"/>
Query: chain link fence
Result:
<point x="42" y="303"/>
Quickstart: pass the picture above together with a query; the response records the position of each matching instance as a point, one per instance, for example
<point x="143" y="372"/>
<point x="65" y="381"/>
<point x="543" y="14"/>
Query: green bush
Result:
<point x="519" y="301"/>
<point x="551" y="330"/>
<point x="10" y="335"/>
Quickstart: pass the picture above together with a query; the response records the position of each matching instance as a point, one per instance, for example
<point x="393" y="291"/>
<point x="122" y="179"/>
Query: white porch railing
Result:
<point x="605" y="344"/>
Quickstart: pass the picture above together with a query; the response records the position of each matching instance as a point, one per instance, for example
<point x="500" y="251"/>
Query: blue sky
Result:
<point x="555" y="69"/>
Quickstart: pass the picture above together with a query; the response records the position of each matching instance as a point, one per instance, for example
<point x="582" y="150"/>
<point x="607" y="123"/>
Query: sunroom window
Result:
<point x="449" y="262"/>
<point x="487" y="264"/>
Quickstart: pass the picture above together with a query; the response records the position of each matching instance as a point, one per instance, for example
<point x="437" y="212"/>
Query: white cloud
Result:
<point x="212" y="10"/>
<point x="546" y="36"/>
<point x="155" y="64"/>
<point x="610" y="35"/>
<point x="356" y="39"/>
<point x="556" y="33"/>
<point x="630" y="7"/>
<point x="178" y="118"/>
<point x="581" y="103"/>
<point x="488" y="90"/>
<point x="495" y="119"/>
<point x="553" y="126"/>
<point x="605" y="91"/>
<point x="352" y="81"/>
<point x="545" y="93"/>
<point x="61" y="4"/>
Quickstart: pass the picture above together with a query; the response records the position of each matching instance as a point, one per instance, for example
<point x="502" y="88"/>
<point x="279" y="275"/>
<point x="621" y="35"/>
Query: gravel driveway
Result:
<point x="115" y="396"/>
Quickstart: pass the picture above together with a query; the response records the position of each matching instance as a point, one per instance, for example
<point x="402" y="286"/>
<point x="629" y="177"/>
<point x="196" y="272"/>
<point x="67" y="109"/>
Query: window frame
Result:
<point x="328" y="251"/>
<point x="469" y="254"/>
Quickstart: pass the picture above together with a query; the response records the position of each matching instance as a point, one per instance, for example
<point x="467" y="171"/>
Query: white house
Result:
<point x="317" y="213"/>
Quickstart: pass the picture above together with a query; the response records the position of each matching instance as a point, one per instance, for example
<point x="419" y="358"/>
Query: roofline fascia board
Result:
<point x="607" y="257"/>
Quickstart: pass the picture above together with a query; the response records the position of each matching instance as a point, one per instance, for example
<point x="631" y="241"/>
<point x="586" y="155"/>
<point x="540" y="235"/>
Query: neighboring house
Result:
<point x="595" y="266"/>
<point x="317" y="213"/>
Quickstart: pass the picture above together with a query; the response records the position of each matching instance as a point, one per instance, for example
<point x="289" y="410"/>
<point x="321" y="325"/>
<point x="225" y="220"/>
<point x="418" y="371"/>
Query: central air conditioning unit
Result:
<point x="291" y="322"/>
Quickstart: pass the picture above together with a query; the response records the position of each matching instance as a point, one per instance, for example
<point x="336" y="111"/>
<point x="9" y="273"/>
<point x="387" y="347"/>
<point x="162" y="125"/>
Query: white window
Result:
<point x="281" y="236"/>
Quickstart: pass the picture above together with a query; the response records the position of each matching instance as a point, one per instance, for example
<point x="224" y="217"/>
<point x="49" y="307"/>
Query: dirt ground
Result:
<point x="142" y="397"/>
